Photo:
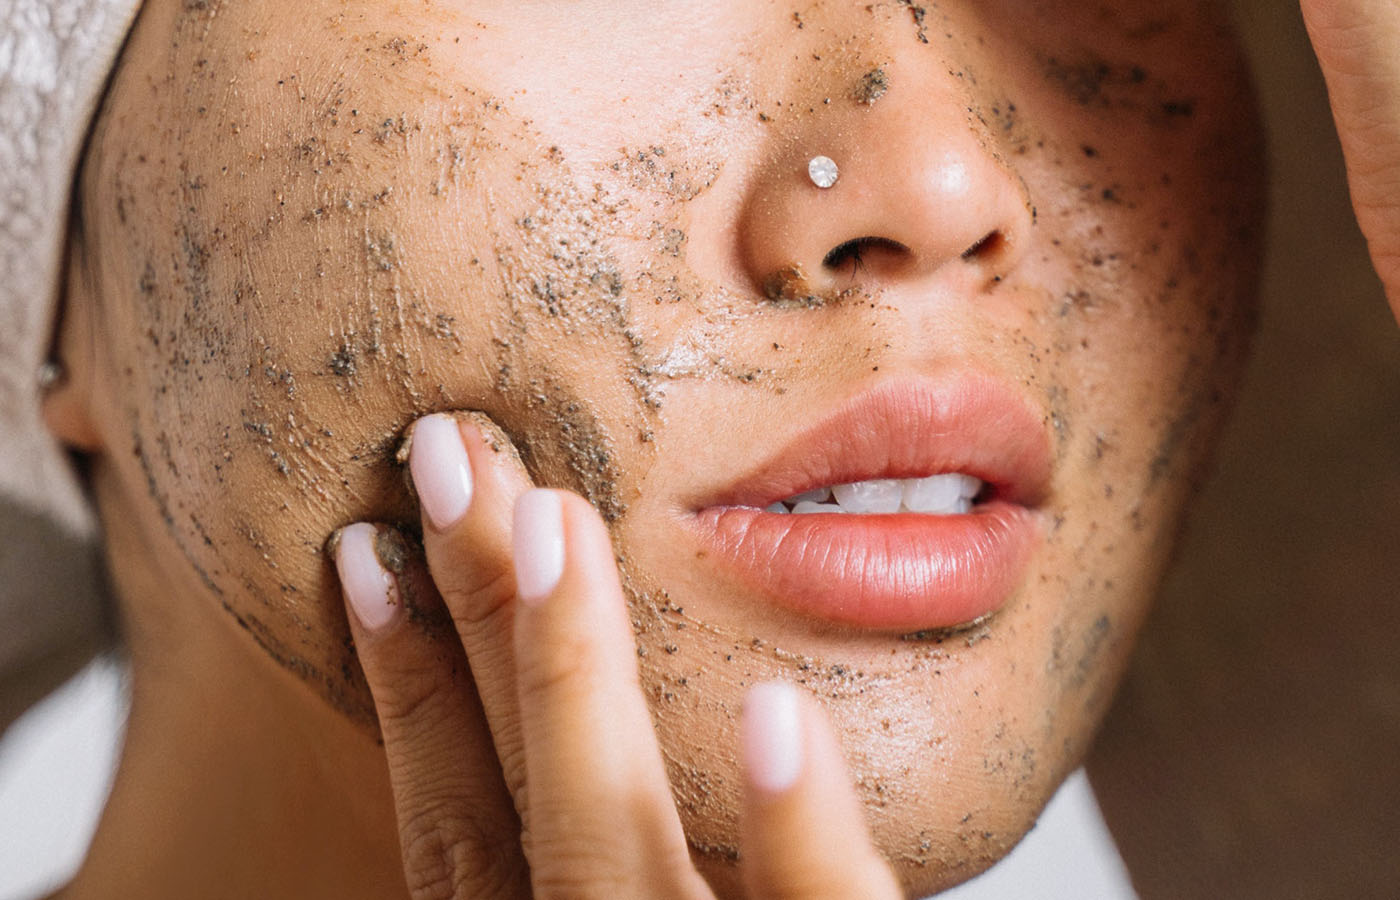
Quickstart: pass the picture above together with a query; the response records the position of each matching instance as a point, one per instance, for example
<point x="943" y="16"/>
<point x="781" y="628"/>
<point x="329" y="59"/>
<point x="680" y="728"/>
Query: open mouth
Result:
<point x="951" y="494"/>
<point x="911" y="506"/>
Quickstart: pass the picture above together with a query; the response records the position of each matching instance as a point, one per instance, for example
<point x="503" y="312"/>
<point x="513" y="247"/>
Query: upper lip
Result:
<point x="909" y="428"/>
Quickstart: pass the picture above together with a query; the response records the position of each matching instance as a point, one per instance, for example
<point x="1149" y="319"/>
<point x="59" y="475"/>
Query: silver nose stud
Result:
<point x="823" y="171"/>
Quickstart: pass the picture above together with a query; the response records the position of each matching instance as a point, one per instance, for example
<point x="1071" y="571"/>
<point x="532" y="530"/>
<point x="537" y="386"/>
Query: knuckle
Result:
<point x="623" y="859"/>
<point x="511" y="752"/>
<point x="417" y="700"/>
<point x="577" y="871"/>
<point x="476" y="594"/>
<point x="575" y="887"/>
<point x="450" y="856"/>
<point x="569" y="668"/>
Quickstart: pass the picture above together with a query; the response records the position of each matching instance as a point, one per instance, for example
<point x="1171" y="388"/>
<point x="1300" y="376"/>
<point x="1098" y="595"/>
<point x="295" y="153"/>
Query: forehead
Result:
<point x="640" y="52"/>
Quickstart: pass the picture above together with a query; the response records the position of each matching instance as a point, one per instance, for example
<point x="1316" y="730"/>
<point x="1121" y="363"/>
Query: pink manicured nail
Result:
<point x="442" y="474"/>
<point x="772" y="736"/>
<point x="538" y="544"/>
<point x="372" y="591"/>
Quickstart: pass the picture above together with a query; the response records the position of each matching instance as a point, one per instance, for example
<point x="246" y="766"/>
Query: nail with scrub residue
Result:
<point x="442" y="473"/>
<point x="371" y="590"/>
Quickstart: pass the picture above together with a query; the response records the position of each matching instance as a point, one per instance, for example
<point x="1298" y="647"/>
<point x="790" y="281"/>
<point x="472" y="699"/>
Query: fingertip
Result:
<point x="772" y="737"/>
<point x="491" y="454"/>
<point x="371" y="589"/>
<point x="440" y="469"/>
<point x="804" y="832"/>
<point x="537" y="540"/>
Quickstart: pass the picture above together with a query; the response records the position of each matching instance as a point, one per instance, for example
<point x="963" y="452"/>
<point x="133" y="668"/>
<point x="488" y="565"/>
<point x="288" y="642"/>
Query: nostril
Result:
<point x="856" y="250"/>
<point x="990" y="244"/>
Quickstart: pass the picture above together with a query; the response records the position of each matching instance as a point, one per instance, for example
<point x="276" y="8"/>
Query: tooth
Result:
<point x="970" y="487"/>
<point x="807" y="506"/>
<point x="820" y="495"/>
<point x="777" y="508"/>
<point x="935" y="494"/>
<point x="881" y="495"/>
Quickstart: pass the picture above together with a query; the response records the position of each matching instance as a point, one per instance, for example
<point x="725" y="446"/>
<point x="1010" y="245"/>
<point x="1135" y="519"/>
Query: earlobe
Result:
<point x="66" y="381"/>
<point x="66" y="415"/>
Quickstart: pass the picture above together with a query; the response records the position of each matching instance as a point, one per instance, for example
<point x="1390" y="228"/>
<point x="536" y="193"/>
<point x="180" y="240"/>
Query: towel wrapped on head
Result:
<point x="55" y="59"/>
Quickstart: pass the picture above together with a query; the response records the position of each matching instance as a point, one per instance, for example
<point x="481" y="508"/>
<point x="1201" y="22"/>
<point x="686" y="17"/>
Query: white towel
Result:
<point x="55" y="58"/>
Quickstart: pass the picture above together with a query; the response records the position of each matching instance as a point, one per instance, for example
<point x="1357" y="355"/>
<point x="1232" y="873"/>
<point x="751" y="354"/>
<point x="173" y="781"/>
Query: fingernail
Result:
<point x="371" y="589"/>
<point x="772" y="736"/>
<point x="442" y="473"/>
<point x="538" y="543"/>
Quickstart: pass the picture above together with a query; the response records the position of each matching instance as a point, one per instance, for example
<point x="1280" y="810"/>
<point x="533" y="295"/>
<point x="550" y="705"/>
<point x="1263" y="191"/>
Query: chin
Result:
<point x="956" y="736"/>
<point x="924" y="557"/>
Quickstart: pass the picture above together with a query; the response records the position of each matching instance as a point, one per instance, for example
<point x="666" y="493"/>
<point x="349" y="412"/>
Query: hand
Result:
<point x="1358" y="44"/>
<point x="537" y="609"/>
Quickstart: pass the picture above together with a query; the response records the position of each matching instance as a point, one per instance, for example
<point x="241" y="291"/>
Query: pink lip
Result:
<point x="905" y="571"/>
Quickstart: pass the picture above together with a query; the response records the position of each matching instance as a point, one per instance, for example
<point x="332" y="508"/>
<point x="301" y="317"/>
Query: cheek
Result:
<point x="1144" y="167"/>
<point x="1140" y="345"/>
<point x="321" y="291"/>
<point x="289" y="311"/>
<point x="1148" y="184"/>
<point x="1148" y="338"/>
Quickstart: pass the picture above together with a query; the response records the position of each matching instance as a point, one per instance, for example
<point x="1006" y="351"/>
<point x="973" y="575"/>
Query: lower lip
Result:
<point x="900" y="572"/>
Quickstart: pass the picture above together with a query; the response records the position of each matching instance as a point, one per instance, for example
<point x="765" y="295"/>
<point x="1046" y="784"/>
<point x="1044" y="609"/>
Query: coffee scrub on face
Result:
<point x="598" y="233"/>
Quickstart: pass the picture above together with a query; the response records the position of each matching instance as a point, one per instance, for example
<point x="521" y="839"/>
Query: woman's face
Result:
<point x="314" y="222"/>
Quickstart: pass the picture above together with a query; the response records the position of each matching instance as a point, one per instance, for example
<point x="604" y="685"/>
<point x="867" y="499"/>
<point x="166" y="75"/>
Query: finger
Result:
<point x="1357" y="43"/>
<point x="602" y="820"/>
<point x="804" y="833"/>
<point x="467" y="477"/>
<point x="457" y="827"/>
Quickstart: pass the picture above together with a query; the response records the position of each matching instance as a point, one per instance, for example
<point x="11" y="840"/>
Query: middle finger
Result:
<point x="467" y="477"/>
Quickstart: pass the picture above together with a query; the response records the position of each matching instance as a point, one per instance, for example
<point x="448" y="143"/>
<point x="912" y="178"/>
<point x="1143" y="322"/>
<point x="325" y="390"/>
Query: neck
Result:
<point x="235" y="780"/>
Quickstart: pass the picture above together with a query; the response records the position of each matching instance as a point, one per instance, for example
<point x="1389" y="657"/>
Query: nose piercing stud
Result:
<point x="823" y="172"/>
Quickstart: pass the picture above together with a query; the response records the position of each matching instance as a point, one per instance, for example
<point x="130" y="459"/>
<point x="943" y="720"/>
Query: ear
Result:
<point x="67" y="403"/>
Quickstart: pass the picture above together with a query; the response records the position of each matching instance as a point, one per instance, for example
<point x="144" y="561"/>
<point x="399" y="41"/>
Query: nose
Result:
<point x="921" y="193"/>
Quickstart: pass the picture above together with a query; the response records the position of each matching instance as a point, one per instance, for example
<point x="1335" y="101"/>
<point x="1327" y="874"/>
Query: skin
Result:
<point x="291" y="249"/>
<point x="569" y="719"/>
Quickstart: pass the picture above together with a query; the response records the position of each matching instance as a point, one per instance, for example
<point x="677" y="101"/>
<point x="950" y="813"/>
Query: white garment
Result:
<point x="1069" y="855"/>
<point x="56" y="768"/>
